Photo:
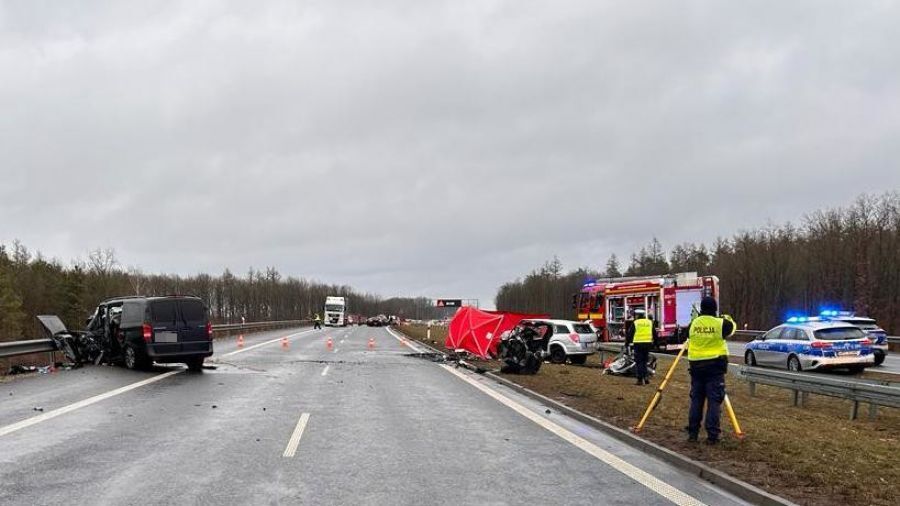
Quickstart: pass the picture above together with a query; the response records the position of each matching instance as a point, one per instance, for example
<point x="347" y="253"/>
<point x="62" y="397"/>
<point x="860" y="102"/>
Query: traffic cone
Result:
<point x="284" y="343"/>
<point x="241" y="341"/>
<point x="371" y="343"/>
<point x="329" y="343"/>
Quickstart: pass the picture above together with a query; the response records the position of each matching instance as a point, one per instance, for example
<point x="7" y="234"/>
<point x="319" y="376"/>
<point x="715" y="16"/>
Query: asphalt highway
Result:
<point x="365" y="421"/>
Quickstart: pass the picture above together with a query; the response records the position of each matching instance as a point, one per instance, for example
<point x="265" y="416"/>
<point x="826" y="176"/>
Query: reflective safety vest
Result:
<point x="705" y="339"/>
<point x="643" y="331"/>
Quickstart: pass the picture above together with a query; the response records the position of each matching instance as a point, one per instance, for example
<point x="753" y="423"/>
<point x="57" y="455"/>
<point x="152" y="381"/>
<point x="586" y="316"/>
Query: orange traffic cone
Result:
<point x="241" y="341"/>
<point x="371" y="343"/>
<point x="329" y="343"/>
<point x="284" y="343"/>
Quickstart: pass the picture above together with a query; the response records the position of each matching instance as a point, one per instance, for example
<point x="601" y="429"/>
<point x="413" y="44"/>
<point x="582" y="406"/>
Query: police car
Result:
<point x="812" y="343"/>
<point x="876" y="334"/>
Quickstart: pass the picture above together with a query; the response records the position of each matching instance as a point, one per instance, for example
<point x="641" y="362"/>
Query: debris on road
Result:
<point x="22" y="369"/>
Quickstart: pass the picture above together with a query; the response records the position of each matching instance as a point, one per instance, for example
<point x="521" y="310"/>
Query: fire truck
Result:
<point x="671" y="300"/>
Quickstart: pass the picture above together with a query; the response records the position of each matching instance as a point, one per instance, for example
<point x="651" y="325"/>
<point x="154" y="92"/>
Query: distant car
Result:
<point x="876" y="334"/>
<point x="138" y="331"/>
<point x="569" y="340"/>
<point x="803" y="344"/>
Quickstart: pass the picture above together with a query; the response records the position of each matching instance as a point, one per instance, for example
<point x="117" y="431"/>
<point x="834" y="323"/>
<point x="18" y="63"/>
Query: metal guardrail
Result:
<point x="875" y="394"/>
<point x="15" y="348"/>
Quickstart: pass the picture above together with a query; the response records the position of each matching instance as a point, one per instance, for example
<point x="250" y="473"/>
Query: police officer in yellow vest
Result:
<point x="708" y="357"/>
<point x="641" y="334"/>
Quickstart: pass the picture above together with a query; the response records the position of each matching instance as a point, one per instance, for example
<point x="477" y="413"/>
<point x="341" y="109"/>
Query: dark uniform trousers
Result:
<point x="707" y="387"/>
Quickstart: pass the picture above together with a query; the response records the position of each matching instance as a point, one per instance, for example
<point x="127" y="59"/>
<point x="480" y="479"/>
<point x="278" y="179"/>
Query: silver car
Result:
<point x="570" y="340"/>
<point x="811" y="344"/>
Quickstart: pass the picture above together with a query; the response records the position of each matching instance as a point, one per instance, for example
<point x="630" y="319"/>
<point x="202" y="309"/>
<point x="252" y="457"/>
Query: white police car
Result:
<point x="812" y="343"/>
<point x="876" y="334"/>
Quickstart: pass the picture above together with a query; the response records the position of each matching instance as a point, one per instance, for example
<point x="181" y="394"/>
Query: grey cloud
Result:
<point x="433" y="148"/>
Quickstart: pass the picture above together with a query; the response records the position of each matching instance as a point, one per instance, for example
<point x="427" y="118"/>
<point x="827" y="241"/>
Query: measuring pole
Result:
<point x="659" y="390"/>
<point x="734" y="421"/>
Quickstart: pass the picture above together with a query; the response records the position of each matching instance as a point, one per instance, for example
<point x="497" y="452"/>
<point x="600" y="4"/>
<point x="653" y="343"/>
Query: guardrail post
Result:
<point x="854" y="410"/>
<point x="752" y="389"/>
<point x="797" y="398"/>
<point x="873" y="410"/>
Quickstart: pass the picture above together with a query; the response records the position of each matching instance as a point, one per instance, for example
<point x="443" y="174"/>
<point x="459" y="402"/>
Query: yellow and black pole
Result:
<point x="659" y="390"/>
<point x="734" y="421"/>
<point x="657" y="397"/>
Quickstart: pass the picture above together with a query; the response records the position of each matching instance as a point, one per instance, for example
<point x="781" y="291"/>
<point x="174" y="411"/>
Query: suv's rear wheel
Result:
<point x="194" y="364"/>
<point x="133" y="359"/>
<point x="578" y="359"/>
<point x="557" y="355"/>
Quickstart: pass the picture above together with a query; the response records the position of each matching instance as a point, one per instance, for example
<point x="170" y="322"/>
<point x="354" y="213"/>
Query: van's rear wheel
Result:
<point x="194" y="364"/>
<point x="133" y="359"/>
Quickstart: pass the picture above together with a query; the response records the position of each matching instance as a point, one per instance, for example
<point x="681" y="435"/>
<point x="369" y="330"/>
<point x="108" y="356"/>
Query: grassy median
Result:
<point x="811" y="455"/>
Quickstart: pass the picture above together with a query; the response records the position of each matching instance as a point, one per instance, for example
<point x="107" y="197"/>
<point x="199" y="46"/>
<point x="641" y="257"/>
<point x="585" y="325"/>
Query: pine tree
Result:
<point x="612" y="267"/>
<point x="11" y="314"/>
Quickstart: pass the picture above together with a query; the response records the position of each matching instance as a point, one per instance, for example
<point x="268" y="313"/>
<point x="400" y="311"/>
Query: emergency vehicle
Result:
<point x="670" y="299"/>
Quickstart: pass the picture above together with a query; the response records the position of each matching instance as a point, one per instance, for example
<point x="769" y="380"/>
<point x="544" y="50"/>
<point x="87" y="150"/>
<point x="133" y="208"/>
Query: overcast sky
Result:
<point x="433" y="148"/>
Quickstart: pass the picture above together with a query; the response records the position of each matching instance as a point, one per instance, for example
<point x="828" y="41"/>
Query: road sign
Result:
<point x="448" y="303"/>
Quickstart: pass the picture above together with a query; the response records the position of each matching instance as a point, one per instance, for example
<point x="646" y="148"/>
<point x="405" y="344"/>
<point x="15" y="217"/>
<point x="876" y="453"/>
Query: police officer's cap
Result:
<point x="708" y="305"/>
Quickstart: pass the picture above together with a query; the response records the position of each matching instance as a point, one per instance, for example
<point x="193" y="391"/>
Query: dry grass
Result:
<point x="812" y="455"/>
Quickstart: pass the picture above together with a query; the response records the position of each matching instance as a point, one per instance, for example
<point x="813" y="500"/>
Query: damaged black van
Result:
<point x="138" y="331"/>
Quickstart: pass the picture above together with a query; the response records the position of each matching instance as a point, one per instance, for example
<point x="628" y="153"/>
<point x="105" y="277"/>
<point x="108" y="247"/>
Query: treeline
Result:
<point x="846" y="257"/>
<point x="31" y="285"/>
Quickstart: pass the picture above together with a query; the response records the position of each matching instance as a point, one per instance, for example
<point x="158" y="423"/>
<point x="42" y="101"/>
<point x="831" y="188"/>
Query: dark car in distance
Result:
<point x="141" y="330"/>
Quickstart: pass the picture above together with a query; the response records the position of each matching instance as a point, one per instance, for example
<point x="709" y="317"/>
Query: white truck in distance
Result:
<point x="335" y="312"/>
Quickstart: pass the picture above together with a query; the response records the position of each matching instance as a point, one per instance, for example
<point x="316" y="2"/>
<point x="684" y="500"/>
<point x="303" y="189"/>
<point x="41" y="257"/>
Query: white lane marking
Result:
<point x="28" y="422"/>
<point x="242" y="350"/>
<point x="336" y="350"/>
<point x="294" y="442"/>
<point x="407" y="342"/>
<point x="644" y="478"/>
<point x="325" y="371"/>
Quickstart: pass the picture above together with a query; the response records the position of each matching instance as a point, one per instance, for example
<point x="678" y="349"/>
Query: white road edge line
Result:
<point x="403" y="340"/>
<point x="325" y="371"/>
<point x="242" y="350"/>
<point x="28" y="422"/>
<point x="291" y="449"/>
<point x="644" y="478"/>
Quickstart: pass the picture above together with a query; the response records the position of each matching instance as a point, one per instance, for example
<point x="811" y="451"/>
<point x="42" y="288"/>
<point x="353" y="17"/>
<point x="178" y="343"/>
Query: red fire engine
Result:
<point x="669" y="299"/>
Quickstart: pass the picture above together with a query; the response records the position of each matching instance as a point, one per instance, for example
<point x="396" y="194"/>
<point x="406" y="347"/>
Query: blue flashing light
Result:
<point x="829" y="313"/>
<point x="793" y="319"/>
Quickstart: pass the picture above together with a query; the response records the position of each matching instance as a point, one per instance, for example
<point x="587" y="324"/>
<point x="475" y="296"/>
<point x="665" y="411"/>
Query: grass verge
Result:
<point x="810" y="455"/>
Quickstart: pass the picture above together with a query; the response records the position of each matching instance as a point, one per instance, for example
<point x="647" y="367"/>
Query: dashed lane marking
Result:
<point x="28" y="422"/>
<point x="325" y="371"/>
<point x="644" y="478"/>
<point x="291" y="449"/>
